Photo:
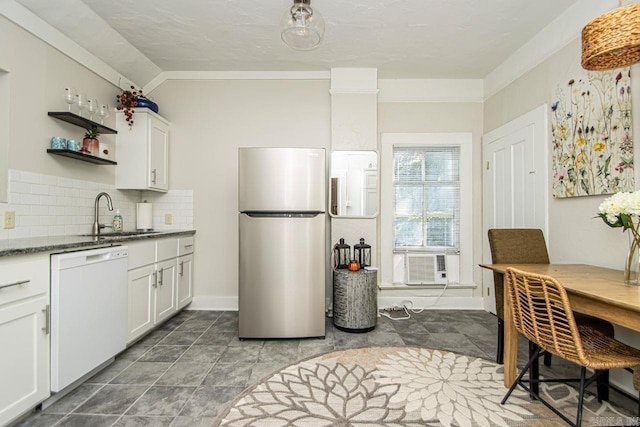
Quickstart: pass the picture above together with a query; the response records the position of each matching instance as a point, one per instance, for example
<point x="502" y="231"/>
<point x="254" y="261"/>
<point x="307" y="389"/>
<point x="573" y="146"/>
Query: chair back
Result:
<point x="542" y="313"/>
<point x="514" y="246"/>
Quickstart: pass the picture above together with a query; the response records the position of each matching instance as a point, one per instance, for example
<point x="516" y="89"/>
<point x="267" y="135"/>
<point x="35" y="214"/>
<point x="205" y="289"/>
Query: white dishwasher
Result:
<point x="88" y="311"/>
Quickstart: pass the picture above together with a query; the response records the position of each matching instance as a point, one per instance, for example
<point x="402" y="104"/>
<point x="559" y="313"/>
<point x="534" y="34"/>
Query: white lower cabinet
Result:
<point x="184" y="281"/>
<point x="24" y="334"/>
<point x="165" y="289"/>
<point x="141" y="301"/>
<point x="184" y="278"/>
<point x="160" y="283"/>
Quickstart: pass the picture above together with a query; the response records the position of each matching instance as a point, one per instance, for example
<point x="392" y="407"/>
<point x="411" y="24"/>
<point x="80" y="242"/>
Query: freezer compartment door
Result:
<point x="281" y="179"/>
<point x="282" y="277"/>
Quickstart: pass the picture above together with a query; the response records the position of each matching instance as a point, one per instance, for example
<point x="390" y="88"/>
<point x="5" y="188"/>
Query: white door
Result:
<point x="158" y="154"/>
<point x="514" y="182"/>
<point x="184" y="281"/>
<point x="24" y="360"/>
<point x="141" y="297"/>
<point x="165" y="290"/>
<point x="370" y="192"/>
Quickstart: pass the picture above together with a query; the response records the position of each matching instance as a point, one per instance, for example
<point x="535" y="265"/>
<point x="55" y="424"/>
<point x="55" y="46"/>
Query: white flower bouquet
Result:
<point x="623" y="210"/>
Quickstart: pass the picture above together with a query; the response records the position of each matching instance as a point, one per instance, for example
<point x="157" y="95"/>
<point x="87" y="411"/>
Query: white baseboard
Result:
<point x="434" y="303"/>
<point x="449" y="303"/>
<point x="214" y="303"/>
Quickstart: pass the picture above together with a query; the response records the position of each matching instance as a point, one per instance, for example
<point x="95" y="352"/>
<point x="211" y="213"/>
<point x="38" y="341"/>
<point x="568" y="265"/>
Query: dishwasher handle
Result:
<point x="92" y="259"/>
<point x="89" y="257"/>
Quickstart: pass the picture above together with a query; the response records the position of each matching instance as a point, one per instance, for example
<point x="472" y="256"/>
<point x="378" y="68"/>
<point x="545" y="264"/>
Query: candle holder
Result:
<point x="341" y="254"/>
<point x="362" y="253"/>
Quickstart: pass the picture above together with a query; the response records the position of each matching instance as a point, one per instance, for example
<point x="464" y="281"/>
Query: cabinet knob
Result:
<point x="153" y="176"/>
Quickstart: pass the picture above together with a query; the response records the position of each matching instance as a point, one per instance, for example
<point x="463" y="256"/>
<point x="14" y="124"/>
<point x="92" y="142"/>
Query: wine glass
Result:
<point x="70" y="96"/>
<point x="103" y="112"/>
<point x="81" y="100"/>
<point x="92" y="107"/>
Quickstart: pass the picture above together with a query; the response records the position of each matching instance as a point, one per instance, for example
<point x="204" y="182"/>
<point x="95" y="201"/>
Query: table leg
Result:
<point x="510" y="340"/>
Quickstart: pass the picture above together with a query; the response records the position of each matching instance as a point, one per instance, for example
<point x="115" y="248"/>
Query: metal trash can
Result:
<point x="355" y="300"/>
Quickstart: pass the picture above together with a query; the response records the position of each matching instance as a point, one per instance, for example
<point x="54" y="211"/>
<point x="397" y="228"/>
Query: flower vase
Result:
<point x="632" y="263"/>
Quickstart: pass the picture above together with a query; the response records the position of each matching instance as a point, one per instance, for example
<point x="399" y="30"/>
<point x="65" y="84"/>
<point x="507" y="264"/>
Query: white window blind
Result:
<point x="426" y="186"/>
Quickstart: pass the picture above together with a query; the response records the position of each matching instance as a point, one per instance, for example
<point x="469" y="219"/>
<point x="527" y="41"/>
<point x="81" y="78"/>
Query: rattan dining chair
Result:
<point x="528" y="246"/>
<point x="525" y="246"/>
<point x="542" y="313"/>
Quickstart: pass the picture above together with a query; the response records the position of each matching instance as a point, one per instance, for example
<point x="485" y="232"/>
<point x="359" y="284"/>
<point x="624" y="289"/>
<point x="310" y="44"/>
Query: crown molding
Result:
<point x="566" y="28"/>
<point x="354" y="91"/>
<point x="236" y="75"/>
<point x="33" y="24"/>
<point x="430" y="90"/>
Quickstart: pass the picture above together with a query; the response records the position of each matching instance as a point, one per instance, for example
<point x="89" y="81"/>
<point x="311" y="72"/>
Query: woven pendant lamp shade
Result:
<point x="612" y="40"/>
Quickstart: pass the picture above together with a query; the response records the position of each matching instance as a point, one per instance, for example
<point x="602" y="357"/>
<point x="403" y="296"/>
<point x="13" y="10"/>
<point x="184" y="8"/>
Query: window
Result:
<point x="426" y="197"/>
<point x="460" y="259"/>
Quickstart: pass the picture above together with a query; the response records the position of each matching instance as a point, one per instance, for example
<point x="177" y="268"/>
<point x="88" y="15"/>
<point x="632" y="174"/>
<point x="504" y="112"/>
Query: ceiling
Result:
<point x="401" y="38"/>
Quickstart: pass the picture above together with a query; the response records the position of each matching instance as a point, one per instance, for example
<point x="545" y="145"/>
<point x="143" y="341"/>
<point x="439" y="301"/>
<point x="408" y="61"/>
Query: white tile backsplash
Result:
<point x="178" y="203"/>
<point x="48" y="206"/>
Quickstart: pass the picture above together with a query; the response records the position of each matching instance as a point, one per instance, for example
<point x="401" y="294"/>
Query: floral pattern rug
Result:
<point x="388" y="386"/>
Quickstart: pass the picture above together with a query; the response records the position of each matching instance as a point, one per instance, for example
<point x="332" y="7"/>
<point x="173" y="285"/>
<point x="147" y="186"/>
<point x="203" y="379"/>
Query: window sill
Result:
<point x="403" y="287"/>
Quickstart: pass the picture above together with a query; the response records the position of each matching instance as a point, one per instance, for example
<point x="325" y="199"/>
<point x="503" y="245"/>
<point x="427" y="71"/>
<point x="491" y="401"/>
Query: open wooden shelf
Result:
<point x="83" y="122"/>
<point x="81" y="156"/>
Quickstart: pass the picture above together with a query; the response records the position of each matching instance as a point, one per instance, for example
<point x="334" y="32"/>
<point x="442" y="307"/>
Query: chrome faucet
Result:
<point x="96" y="223"/>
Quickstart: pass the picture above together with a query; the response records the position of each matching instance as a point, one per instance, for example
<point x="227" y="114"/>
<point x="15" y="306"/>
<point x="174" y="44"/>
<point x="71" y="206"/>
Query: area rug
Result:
<point x="393" y="386"/>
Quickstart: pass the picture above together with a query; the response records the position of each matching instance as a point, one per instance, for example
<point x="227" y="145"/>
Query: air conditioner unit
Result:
<point x="426" y="269"/>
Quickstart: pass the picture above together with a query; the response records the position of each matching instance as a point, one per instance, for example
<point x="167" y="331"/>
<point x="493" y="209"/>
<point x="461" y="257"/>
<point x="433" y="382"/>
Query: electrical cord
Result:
<point x="406" y="316"/>
<point x="407" y="307"/>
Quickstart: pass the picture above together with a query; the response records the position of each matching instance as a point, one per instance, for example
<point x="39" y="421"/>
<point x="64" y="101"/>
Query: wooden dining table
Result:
<point x="598" y="291"/>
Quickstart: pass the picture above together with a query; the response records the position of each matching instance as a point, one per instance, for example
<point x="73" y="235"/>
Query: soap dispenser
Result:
<point x="117" y="222"/>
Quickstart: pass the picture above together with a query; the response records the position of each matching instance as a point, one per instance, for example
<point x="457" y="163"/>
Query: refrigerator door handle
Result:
<point x="310" y="214"/>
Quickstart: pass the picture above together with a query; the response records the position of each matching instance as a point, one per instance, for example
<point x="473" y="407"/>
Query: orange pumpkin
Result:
<point x="353" y="265"/>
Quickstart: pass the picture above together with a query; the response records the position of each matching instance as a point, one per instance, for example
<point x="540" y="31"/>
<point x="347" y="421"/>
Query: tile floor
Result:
<point x="185" y="372"/>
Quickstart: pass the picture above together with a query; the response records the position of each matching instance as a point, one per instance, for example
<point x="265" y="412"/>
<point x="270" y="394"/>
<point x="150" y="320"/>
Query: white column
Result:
<point x="354" y="116"/>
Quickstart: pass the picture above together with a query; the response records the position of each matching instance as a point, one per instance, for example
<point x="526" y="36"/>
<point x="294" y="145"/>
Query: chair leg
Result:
<point x="583" y="372"/>
<point x="534" y="370"/>
<point x="500" y="349"/>
<point x="547" y="359"/>
<point x="602" y="384"/>
<point x="524" y="370"/>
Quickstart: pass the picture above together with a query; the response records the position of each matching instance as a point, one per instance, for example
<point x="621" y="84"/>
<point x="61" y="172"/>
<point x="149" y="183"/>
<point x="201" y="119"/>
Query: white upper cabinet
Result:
<point x="142" y="152"/>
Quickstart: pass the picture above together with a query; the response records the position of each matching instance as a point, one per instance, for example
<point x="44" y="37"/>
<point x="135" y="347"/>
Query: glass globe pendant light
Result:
<point x="302" y="26"/>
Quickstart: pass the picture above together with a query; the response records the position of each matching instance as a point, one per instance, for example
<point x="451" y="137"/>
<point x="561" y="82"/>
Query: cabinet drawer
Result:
<point x="166" y="248"/>
<point x="185" y="245"/>
<point x="23" y="276"/>
<point x="141" y="253"/>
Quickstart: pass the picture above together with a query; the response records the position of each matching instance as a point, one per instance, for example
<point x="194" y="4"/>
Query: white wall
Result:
<point x="54" y="195"/>
<point x="210" y="120"/>
<point x="38" y="75"/>
<point x="575" y="236"/>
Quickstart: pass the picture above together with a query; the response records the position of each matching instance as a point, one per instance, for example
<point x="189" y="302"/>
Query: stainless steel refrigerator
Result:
<point x="282" y="202"/>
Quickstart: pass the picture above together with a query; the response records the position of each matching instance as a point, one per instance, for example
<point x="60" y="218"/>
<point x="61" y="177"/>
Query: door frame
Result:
<point x="538" y="120"/>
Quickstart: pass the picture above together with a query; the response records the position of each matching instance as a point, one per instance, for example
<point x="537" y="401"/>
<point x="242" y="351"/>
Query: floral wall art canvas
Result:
<point x="592" y="150"/>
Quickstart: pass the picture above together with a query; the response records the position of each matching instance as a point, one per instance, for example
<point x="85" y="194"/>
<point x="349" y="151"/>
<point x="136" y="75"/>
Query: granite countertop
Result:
<point x="32" y="245"/>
